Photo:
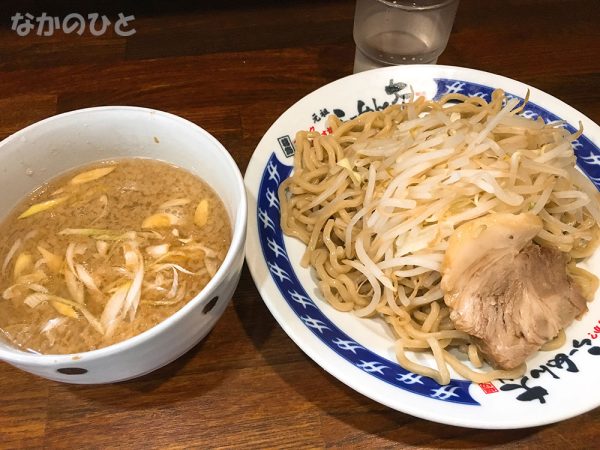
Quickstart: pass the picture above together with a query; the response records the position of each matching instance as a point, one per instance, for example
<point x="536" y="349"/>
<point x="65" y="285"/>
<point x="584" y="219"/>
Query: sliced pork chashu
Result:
<point x="510" y="294"/>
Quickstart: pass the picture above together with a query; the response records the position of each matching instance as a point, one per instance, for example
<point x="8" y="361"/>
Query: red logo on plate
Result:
<point x="488" y="388"/>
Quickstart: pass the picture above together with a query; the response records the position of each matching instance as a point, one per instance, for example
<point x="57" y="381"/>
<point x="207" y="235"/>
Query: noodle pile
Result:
<point x="376" y="200"/>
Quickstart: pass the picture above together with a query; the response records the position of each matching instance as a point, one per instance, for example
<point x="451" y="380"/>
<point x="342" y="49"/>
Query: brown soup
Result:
<point x="106" y="252"/>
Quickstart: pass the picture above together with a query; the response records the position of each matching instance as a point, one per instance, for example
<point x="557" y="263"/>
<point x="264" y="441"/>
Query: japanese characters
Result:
<point x="46" y="25"/>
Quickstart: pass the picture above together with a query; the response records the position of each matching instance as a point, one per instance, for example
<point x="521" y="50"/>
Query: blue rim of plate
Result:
<point x="313" y="319"/>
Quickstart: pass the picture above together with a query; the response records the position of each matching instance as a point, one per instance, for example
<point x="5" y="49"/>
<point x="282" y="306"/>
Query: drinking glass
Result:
<point x="394" y="32"/>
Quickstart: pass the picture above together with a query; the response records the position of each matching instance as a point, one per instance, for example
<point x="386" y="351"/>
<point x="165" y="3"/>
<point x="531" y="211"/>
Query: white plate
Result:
<point x="358" y="352"/>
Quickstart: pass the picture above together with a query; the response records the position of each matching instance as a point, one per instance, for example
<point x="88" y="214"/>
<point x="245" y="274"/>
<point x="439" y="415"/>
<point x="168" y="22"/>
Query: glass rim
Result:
<point x="411" y="6"/>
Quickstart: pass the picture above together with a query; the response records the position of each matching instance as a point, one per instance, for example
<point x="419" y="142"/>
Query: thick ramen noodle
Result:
<point x="106" y="252"/>
<point x="377" y="200"/>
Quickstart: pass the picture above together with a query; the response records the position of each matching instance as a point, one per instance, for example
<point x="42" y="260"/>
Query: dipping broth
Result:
<point x="106" y="252"/>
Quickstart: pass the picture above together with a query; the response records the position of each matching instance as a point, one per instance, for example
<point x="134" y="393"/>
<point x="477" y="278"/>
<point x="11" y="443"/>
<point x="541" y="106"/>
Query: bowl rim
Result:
<point x="18" y="356"/>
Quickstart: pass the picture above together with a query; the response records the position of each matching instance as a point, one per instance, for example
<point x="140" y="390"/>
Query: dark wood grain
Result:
<point x="233" y="67"/>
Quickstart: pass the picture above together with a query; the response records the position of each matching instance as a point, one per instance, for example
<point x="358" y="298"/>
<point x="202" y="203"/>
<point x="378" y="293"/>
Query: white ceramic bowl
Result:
<point x="48" y="148"/>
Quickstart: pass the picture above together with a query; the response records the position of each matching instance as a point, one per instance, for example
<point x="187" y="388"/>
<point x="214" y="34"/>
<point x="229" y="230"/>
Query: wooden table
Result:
<point x="233" y="67"/>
